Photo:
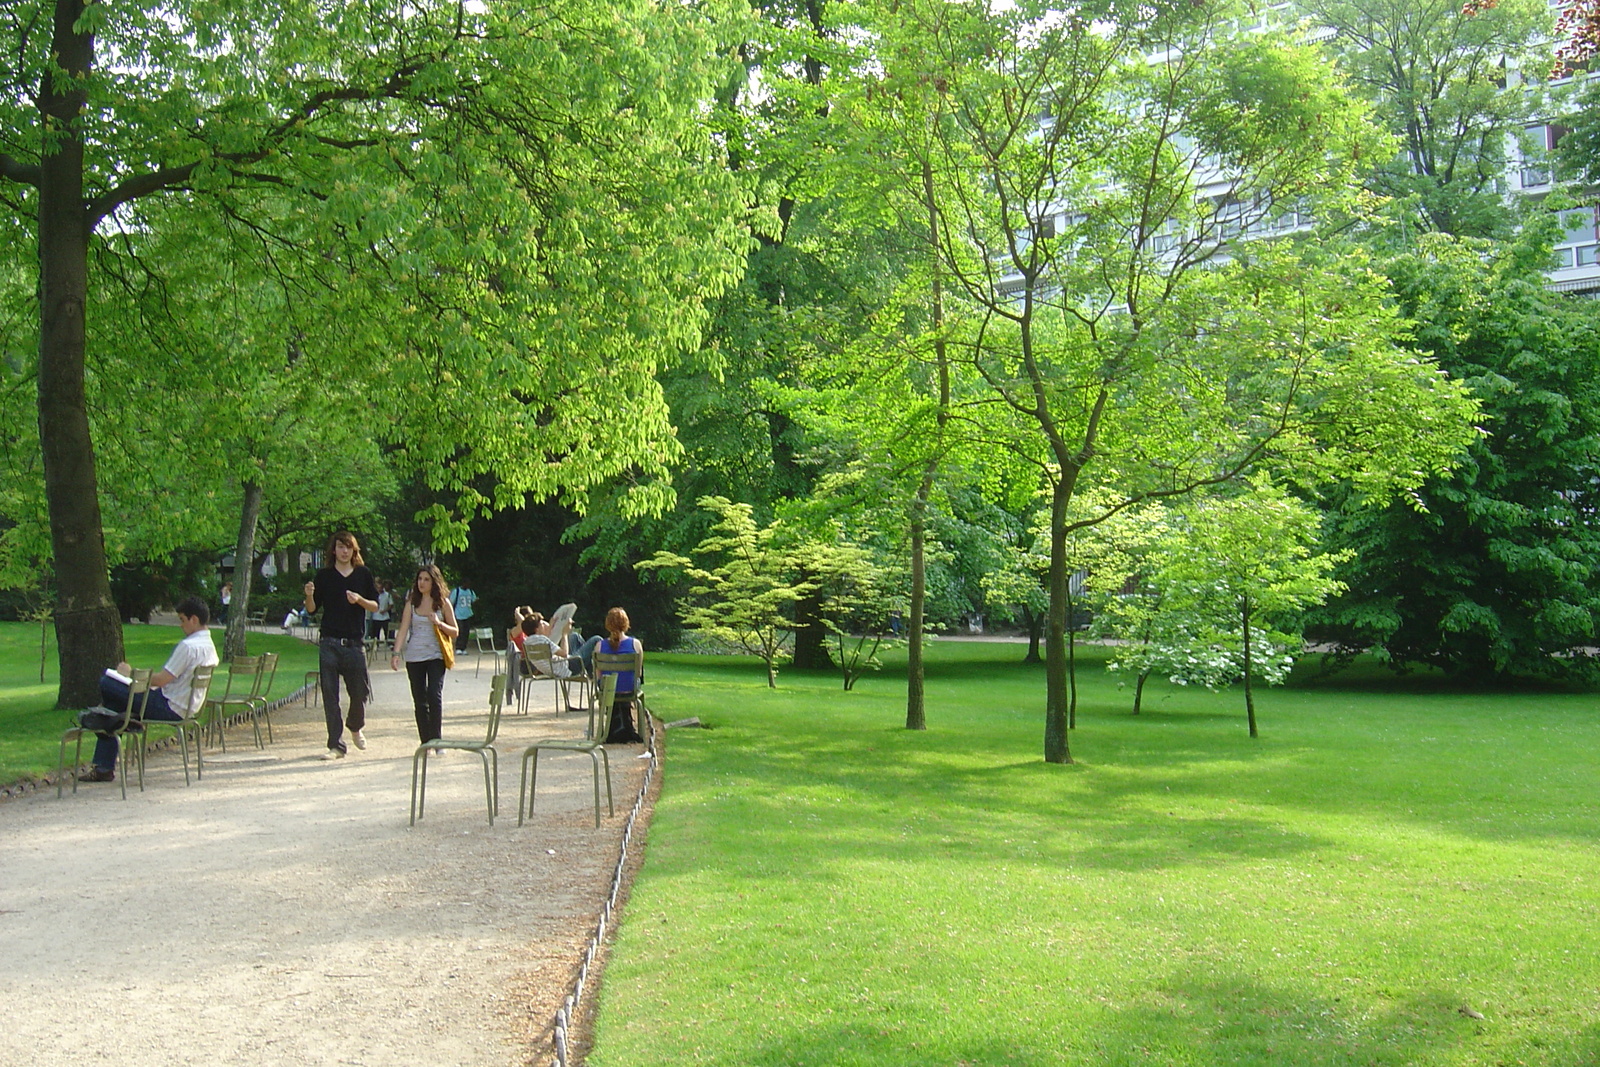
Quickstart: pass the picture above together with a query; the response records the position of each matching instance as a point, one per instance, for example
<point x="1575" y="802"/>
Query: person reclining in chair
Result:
<point x="171" y="694"/>
<point x="538" y="630"/>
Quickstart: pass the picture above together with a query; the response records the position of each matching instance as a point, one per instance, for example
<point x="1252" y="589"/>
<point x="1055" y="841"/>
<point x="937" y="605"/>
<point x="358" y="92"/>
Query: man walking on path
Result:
<point x="462" y="598"/>
<point x="345" y="592"/>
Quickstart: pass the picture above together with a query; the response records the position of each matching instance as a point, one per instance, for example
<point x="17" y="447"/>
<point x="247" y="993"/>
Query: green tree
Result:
<point x="1236" y="565"/>
<point x="1495" y="572"/>
<point x="1120" y="323"/>
<point x="744" y="594"/>
<point x="264" y="426"/>
<point x="855" y="594"/>
<point x="1455" y="90"/>
<point x="520" y="206"/>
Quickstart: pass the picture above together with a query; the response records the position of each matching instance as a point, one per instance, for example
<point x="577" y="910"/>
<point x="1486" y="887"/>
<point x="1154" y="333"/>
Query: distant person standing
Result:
<point x="461" y="599"/>
<point x="378" y="621"/>
<point x="227" y="598"/>
<point x="345" y="592"/>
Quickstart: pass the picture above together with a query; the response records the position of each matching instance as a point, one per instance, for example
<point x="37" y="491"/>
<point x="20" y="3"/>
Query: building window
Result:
<point x="1538" y="143"/>
<point x="1587" y="255"/>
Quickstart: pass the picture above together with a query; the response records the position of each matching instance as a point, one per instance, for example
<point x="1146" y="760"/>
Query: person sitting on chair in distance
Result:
<point x="538" y="630"/>
<point x="171" y="693"/>
<point x="623" y="730"/>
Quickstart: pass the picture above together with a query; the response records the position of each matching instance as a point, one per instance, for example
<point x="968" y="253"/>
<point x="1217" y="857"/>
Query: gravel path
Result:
<point x="282" y="912"/>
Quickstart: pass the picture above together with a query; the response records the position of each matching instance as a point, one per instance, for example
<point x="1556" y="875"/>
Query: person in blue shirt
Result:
<point x="623" y="729"/>
<point x="462" y="598"/>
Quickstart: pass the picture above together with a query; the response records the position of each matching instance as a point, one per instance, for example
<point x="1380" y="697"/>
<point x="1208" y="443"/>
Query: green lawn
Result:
<point x="823" y="887"/>
<point x="31" y="725"/>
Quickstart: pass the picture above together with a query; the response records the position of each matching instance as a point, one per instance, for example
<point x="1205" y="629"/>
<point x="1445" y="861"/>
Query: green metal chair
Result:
<point x="241" y="696"/>
<point x="483" y="638"/>
<point x="261" y="697"/>
<point x="127" y="724"/>
<point x="484" y="748"/>
<point x="537" y="665"/>
<point x="611" y="663"/>
<point x="594" y="746"/>
<point x="193" y="722"/>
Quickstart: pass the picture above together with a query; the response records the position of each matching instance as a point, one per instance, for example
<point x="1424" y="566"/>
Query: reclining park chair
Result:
<point x="611" y="663"/>
<point x="259" y="670"/>
<point x="483" y="638"/>
<point x="194" y="722"/>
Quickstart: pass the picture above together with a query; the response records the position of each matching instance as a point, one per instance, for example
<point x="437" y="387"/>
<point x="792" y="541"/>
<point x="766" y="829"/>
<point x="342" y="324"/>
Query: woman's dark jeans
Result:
<point x="427" y="697"/>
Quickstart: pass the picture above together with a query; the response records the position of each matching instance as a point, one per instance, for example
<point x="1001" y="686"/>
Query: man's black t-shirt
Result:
<point x="340" y="618"/>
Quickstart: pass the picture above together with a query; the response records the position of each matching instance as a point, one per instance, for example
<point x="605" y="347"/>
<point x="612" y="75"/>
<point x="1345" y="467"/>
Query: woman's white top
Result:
<point x="421" y="643"/>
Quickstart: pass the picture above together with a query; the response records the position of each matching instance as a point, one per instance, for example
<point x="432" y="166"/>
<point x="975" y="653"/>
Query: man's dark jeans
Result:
<point x="348" y="660"/>
<point x="114" y="695"/>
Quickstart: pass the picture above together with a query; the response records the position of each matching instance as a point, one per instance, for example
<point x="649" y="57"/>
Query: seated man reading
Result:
<point x="537" y="630"/>
<point x="171" y="694"/>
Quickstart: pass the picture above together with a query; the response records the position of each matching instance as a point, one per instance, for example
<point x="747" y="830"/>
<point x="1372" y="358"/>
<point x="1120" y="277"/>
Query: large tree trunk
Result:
<point x="810" y="636"/>
<point x="1035" y="624"/>
<point x="244" y="573"/>
<point x="916" y="712"/>
<point x="88" y="629"/>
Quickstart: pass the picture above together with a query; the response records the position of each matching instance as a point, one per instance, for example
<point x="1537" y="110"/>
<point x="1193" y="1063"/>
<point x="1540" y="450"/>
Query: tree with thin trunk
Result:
<point x="1112" y="161"/>
<point x="1233" y="569"/>
<point x="744" y="592"/>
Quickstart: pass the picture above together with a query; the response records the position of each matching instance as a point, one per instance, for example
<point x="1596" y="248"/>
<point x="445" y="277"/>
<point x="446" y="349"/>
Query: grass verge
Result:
<point x="30" y="723"/>
<point x="1383" y="866"/>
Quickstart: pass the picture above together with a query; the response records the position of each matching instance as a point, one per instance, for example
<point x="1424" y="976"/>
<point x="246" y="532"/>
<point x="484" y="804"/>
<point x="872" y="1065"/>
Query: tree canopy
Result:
<point x="509" y="212"/>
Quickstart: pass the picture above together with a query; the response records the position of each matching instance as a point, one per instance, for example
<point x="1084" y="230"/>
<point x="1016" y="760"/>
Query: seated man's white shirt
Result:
<point x="558" y="662"/>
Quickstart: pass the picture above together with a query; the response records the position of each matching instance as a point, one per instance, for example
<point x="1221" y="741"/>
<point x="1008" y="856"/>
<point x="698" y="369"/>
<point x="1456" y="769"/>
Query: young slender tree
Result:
<point x="744" y="591"/>
<point x="1124" y="169"/>
<point x="1238" y="564"/>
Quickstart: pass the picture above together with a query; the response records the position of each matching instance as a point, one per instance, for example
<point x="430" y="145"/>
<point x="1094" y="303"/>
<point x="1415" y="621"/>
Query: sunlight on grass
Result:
<point x="823" y="887"/>
<point x="30" y="723"/>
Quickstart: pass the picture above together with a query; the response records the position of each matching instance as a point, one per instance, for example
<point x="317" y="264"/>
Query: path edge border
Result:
<point x="574" y="1011"/>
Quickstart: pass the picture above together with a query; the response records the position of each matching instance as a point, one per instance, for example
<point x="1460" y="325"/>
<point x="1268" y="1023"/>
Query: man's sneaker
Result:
<point x="333" y="753"/>
<point x="360" y="739"/>
<point x="95" y="774"/>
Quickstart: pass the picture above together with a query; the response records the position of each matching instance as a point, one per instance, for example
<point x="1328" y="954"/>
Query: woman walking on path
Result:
<point x="417" y="642"/>
<point x="623" y="730"/>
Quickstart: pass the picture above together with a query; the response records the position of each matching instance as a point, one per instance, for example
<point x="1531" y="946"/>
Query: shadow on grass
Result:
<point x="1190" y="1018"/>
<point x="1401" y="759"/>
